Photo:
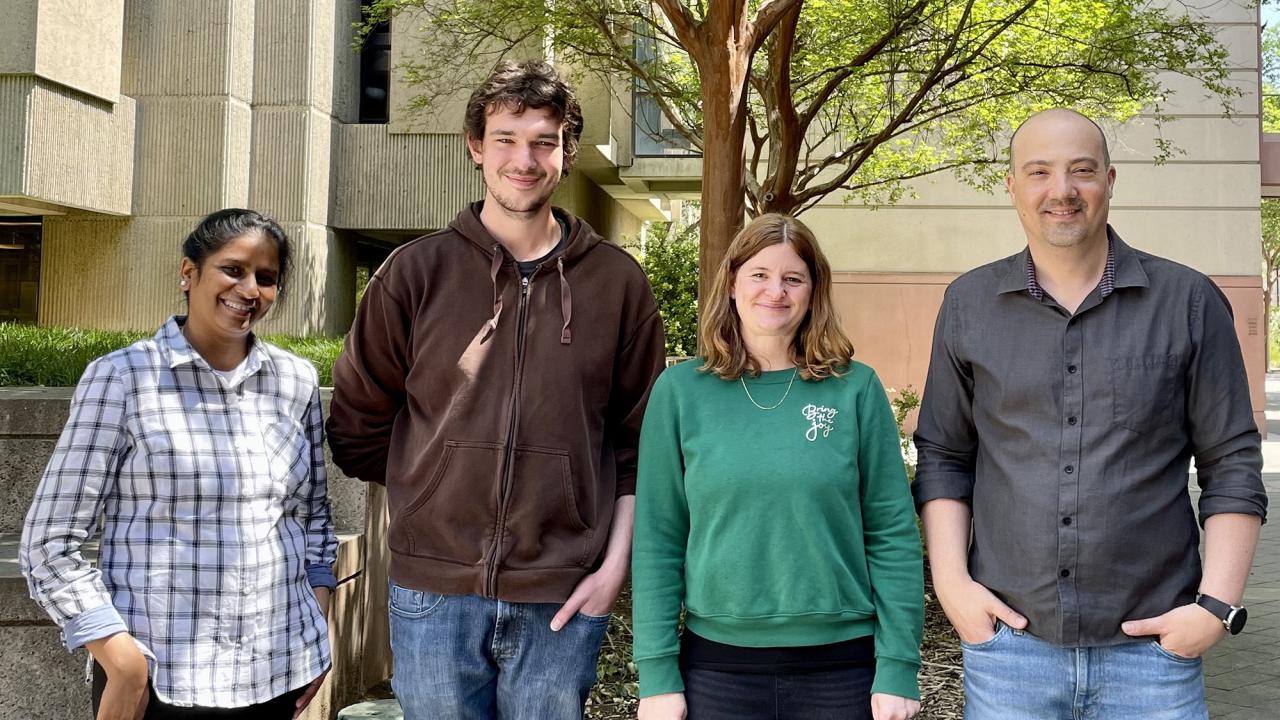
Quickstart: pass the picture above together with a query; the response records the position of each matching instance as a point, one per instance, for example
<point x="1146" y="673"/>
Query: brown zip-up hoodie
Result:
<point x="503" y="417"/>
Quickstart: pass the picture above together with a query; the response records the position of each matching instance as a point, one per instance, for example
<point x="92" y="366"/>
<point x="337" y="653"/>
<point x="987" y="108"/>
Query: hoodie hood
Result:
<point x="581" y="239"/>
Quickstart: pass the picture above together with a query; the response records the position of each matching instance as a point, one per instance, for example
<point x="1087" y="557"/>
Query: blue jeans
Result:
<point x="1017" y="676"/>
<point x="464" y="657"/>
<point x="843" y="694"/>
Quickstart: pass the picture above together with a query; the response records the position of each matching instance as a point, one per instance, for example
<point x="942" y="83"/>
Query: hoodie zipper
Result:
<point x="508" y="458"/>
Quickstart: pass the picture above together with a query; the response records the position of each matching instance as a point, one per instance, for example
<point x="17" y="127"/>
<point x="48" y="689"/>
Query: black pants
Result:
<point x="280" y="708"/>
<point x="843" y="694"/>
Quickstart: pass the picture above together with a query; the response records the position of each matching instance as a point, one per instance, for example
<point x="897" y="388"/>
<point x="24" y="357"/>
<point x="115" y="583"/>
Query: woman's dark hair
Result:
<point x="221" y="227"/>
<point x="530" y="84"/>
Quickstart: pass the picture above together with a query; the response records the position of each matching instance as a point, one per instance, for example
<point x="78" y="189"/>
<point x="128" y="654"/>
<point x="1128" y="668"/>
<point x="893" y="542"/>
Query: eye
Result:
<point x="232" y="270"/>
<point x="758" y="275"/>
<point x="266" y="280"/>
<point x="1084" y="171"/>
<point x="795" y="280"/>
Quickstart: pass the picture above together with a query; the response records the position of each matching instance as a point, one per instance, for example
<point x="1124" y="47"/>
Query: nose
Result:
<point x="1062" y="187"/>
<point x="524" y="157"/>
<point x="248" y="287"/>
<point x="776" y="288"/>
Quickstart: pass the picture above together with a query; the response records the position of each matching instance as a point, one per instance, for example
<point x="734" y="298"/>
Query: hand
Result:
<point x="669" y="706"/>
<point x="125" y="695"/>
<point x="973" y="610"/>
<point x="892" y="707"/>
<point x="323" y="594"/>
<point x="1187" y="631"/>
<point x="594" y="595"/>
<point x="305" y="698"/>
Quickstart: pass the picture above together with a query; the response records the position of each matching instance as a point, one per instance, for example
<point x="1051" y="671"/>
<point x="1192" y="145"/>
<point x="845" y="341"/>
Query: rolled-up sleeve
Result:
<point x="63" y="516"/>
<point x="1224" y="436"/>
<point x="946" y="440"/>
<point x="322" y="543"/>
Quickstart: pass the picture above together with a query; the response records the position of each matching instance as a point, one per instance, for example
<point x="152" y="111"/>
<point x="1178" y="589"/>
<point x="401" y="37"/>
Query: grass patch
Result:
<point x="57" y="356"/>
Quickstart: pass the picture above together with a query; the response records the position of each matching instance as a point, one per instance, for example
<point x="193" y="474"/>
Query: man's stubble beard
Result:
<point x="513" y="208"/>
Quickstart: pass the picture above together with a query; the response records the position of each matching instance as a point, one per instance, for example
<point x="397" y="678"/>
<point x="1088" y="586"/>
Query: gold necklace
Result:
<point x="775" y="405"/>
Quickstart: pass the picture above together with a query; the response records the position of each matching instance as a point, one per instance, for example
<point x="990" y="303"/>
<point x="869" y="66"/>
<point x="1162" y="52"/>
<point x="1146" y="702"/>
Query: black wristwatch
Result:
<point x="1233" y="617"/>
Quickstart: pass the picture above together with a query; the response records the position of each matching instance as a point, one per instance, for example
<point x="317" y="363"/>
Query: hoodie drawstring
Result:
<point x="566" y="303"/>
<point x="494" y="268"/>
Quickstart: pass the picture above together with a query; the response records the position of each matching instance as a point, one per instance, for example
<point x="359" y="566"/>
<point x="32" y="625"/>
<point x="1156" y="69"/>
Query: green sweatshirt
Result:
<point x="774" y="528"/>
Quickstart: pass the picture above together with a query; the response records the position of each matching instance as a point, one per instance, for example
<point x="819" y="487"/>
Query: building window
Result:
<point x="375" y="75"/>
<point x="19" y="269"/>
<point x="652" y="134"/>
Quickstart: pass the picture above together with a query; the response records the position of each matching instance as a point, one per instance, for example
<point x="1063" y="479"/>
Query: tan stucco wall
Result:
<point x="890" y="318"/>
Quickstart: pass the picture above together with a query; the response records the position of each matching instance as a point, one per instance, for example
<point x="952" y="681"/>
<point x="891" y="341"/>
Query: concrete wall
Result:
<point x="70" y="43"/>
<point x="40" y="680"/>
<point x="405" y="182"/>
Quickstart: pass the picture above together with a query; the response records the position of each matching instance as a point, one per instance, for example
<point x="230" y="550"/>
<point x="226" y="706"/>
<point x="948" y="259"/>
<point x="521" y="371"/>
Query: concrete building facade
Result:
<point x="122" y="122"/>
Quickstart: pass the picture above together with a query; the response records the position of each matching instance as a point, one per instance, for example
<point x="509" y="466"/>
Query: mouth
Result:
<point x="238" y="307"/>
<point x="1063" y="213"/>
<point x="523" y="181"/>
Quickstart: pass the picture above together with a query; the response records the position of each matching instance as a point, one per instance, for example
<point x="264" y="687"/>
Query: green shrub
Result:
<point x="57" y="356"/>
<point x="670" y="260"/>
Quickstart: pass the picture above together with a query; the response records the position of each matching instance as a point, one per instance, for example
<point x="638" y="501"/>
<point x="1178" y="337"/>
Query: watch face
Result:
<point x="1236" y="621"/>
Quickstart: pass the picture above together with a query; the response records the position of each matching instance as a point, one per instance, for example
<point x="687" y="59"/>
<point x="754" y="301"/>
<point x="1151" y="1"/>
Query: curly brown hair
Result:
<point x="821" y="348"/>
<point x="528" y="84"/>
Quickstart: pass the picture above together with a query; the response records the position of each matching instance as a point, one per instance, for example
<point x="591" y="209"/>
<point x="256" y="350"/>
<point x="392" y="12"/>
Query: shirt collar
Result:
<point x="1123" y="269"/>
<point x="177" y="351"/>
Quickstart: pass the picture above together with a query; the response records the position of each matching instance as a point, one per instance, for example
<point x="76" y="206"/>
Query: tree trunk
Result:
<point x="724" y="111"/>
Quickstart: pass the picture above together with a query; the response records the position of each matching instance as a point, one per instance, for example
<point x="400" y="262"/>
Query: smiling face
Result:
<point x="771" y="292"/>
<point x="1060" y="181"/>
<point x="522" y="157"/>
<point x="232" y="289"/>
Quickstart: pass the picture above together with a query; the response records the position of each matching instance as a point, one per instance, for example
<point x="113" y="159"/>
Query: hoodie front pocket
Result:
<point x="545" y="527"/>
<point x="452" y="518"/>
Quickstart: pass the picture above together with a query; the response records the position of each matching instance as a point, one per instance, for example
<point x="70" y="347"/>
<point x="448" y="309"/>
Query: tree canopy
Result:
<point x="790" y="101"/>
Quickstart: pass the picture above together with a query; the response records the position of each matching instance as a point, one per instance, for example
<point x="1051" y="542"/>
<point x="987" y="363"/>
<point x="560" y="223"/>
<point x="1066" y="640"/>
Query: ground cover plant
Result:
<point x="57" y="356"/>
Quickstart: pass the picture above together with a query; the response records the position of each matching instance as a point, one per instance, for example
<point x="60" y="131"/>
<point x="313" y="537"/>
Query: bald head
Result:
<point x="1063" y="117"/>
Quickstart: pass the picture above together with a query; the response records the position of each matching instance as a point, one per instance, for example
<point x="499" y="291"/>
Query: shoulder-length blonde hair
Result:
<point x="821" y="347"/>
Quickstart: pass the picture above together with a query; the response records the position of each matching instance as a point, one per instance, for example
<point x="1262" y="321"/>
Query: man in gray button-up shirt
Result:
<point x="1069" y="388"/>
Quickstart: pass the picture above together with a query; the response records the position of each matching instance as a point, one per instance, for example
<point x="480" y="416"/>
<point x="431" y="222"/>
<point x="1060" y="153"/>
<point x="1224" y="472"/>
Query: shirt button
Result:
<point x="1066" y="521"/>
<point x="1071" y="420"/>
<point x="1071" y="369"/>
<point x="1065" y="573"/>
<point x="1070" y="469"/>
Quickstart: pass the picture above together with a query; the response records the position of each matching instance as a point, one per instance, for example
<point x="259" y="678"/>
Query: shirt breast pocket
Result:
<point x="288" y="453"/>
<point x="1146" y="391"/>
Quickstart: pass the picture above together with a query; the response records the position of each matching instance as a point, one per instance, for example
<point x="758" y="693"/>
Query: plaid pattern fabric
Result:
<point x="1105" y="286"/>
<point x="214" y="515"/>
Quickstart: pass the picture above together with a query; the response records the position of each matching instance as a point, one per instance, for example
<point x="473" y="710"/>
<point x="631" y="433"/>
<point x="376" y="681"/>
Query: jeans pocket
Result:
<point x="595" y="618"/>
<point x="1165" y="653"/>
<point x="1001" y="631"/>
<point x="413" y="603"/>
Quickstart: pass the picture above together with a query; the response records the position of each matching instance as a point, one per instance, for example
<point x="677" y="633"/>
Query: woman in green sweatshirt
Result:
<point x="773" y="508"/>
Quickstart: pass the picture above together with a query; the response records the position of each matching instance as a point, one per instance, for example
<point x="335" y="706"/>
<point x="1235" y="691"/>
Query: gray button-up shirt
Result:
<point x="1071" y="436"/>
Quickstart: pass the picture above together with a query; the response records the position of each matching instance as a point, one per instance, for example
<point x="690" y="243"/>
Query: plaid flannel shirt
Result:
<point x="215" y="519"/>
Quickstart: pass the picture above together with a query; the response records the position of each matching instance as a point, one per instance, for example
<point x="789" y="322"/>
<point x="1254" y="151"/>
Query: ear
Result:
<point x="1111" y="180"/>
<point x="188" y="270"/>
<point x="1008" y="184"/>
<point x="475" y="147"/>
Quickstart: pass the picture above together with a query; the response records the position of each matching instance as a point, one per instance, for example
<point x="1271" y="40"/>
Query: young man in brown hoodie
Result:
<point x="494" y="380"/>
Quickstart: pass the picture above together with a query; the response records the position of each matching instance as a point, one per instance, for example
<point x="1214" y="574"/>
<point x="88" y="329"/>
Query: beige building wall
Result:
<point x="1199" y="208"/>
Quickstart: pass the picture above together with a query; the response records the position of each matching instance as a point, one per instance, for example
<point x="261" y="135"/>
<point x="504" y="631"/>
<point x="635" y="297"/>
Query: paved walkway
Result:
<point x="1242" y="674"/>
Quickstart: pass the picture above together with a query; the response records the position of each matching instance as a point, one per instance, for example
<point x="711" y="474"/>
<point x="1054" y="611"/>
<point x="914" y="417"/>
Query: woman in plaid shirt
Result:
<point x="200" y="454"/>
